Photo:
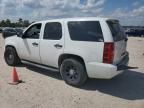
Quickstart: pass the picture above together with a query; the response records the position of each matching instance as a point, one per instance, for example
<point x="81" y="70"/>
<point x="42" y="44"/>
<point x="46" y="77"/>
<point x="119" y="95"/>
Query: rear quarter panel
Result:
<point x="89" y="51"/>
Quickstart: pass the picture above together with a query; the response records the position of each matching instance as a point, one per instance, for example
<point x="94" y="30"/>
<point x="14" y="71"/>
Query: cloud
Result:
<point x="45" y="9"/>
<point x="129" y="17"/>
<point x="66" y="8"/>
<point x="136" y="3"/>
<point x="32" y="4"/>
<point x="138" y="11"/>
<point x="124" y="12"/>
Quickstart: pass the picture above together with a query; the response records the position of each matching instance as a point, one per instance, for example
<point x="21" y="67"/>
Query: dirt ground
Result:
<point x="46" y="89"/>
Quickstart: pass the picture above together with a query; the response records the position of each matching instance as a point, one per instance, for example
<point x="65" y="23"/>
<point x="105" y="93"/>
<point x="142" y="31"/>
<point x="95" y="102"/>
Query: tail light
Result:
<point x="108" y="53"/>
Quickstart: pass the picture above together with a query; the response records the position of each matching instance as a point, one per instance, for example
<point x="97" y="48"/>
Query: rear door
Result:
<point x="52" y="44"/>
<point x="120" y="40"/>
<point x="85" y="38"/>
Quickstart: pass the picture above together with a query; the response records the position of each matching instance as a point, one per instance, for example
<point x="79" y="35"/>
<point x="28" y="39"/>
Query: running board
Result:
<point x="40" y="66"/>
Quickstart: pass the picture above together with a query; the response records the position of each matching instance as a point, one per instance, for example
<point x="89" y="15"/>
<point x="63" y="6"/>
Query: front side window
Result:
<point x="33" y="32"/>
<point x="85" y="31"/>
<point x="53" y="31"/>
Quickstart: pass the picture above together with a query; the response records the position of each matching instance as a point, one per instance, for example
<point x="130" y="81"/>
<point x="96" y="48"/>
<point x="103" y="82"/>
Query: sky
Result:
<point x="129" y="12"/>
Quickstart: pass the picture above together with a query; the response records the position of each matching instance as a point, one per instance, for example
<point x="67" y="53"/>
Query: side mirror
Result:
<point x="20" y="35"/>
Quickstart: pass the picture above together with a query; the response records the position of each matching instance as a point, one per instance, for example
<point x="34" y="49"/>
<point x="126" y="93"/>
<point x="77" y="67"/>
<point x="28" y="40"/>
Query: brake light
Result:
<point x="108" y="54"/>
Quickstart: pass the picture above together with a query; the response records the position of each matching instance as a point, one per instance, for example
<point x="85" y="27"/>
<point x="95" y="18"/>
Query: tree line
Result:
<point x="19" y="23"/>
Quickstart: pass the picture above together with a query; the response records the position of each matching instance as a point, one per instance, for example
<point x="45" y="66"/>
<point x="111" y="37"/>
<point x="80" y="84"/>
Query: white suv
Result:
<point x="78" y="47"/>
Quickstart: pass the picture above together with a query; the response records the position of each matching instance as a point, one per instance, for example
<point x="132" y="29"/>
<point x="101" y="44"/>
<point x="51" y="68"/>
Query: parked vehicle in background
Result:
<point x="18" y="30"/>
<point x="7" y="32"/>
<point x="79" y="48"/>
<point x="135" y="32"/>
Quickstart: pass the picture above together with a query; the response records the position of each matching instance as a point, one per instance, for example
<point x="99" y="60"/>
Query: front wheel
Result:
<point x="73" y="72"/>
<point x="11" y="56"/>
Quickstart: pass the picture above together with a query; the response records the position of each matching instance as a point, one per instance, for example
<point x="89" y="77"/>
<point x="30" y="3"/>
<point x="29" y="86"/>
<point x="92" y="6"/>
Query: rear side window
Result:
<point x="116" y="30"/>
<point x="85" y="31"/>
<point x="53" y="31"/>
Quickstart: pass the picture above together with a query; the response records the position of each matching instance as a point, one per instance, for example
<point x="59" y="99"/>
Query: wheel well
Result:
<point x="67" y="56"/>
<point x="10" y="46"/>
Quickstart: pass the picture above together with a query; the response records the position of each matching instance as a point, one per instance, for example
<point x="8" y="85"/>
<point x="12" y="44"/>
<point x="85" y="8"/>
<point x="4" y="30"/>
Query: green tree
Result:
<point x="13" y="25"/>
<point x="8" y="23"/>
<point x="3" y="24"/>
<point x="26" y="23"/>
<point x="20" y="22"/>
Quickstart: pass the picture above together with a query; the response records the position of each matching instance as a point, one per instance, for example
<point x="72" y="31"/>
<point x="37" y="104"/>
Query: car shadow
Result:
<point x="129" y="85"/>
<point x="53" y="74"/>
<point x="21" y="65"/>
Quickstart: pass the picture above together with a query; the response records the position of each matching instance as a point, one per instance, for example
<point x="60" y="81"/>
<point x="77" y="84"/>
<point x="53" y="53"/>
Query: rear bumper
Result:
<point x="107" y="71"/>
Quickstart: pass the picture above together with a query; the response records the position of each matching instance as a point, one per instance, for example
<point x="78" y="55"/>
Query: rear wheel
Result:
<point x="11" y="56"/>
<point x="73" y="72"/>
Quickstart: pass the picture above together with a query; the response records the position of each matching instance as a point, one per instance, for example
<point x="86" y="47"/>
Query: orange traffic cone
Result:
<point x="15" y="77"/>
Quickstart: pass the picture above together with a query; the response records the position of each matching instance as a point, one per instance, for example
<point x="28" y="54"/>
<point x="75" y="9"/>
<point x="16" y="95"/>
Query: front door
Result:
<point x="29" y="44"/>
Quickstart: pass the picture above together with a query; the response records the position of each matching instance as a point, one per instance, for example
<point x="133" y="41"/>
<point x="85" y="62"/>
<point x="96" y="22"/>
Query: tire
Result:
<point x="73" y="72"/>
<point x="11" y="56"/>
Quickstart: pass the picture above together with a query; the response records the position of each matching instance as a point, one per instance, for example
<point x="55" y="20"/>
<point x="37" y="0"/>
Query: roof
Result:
<point x="76" y="18"/>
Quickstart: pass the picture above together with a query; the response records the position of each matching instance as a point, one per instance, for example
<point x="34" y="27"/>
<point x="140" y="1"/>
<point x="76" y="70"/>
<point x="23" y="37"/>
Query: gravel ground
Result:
<point x="46" y="89"/>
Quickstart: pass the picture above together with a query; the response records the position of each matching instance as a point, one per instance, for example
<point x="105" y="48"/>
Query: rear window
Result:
<point x="85" y="31"/>
<point x="116" y="30"/>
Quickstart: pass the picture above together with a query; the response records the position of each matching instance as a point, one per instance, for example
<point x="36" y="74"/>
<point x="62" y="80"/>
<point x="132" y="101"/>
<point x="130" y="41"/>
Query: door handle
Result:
<point x="35" y="44"/>
<point x="58" y="46"/>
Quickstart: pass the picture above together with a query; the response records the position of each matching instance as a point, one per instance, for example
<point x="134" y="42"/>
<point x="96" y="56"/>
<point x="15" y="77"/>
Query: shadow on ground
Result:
<point x="49" y="73"/>
<point x="129" y="85"/>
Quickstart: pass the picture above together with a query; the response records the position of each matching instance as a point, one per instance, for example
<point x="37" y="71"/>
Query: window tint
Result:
<point x="116" y="30"/>
<point x="33" y="32"/>
<point x="85" y="31"/>
<point x="53" y="31"/>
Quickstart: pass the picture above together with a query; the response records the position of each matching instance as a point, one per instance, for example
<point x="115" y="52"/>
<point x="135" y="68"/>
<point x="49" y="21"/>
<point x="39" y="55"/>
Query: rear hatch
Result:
<point x="120" y="40"/>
